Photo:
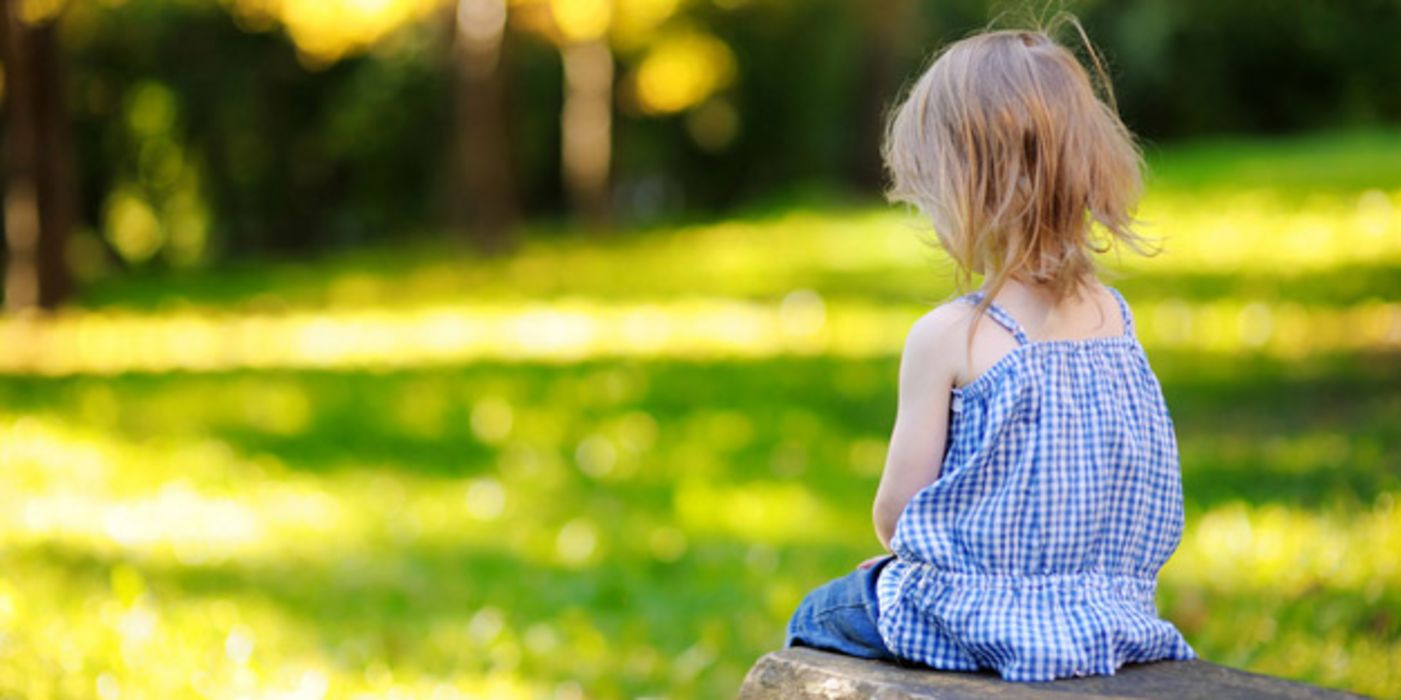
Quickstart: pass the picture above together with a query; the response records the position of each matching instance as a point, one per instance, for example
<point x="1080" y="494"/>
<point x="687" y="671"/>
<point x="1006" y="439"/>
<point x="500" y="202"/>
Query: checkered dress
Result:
<point x="1036" y="551"/>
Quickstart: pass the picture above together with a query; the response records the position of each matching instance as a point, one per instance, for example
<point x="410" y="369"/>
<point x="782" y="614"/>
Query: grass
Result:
<point x="608" y="522"/>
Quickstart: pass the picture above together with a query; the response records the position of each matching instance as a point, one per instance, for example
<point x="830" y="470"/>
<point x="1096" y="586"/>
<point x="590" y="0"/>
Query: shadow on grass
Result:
<point x="1258" y="429"/>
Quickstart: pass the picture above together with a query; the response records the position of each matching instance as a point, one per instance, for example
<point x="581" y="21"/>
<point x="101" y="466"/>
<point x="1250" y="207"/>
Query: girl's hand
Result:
<point x="871" y="562"/>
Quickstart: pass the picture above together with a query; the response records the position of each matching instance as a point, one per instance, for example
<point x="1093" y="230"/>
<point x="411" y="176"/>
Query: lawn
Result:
<point x="605" y="469"/>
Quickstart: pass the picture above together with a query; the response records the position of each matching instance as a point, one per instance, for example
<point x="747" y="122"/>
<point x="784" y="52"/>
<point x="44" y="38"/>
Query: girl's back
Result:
<point x="1095" y="313"/>
<point x="1059" y="498"/>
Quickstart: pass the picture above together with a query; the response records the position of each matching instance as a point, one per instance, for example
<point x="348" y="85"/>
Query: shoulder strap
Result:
<point x="1124" y="309"/>
<point x="1001" y="316"/>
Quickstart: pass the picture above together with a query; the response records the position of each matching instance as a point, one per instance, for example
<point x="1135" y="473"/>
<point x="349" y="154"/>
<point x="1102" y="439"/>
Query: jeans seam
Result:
<point x="825" y="612"/>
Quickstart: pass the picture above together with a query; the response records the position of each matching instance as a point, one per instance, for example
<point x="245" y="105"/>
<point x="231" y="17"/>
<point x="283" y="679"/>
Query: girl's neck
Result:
<point x="1021" y="287"/>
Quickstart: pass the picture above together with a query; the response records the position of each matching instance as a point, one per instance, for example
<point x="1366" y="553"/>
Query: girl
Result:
<point x="1032" y="489"/>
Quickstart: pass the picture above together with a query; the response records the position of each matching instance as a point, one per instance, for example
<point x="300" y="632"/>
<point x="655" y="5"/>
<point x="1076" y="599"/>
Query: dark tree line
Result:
<point x="487" y="114"/>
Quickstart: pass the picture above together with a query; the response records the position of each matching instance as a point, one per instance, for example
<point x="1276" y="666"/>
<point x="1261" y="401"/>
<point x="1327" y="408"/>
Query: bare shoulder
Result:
<point x="933" y="339"/>
<point x="939" y="326"/>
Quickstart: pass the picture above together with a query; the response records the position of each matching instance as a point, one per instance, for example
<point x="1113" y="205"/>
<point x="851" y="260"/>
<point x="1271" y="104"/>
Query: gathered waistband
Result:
<point x="927" y="574"/>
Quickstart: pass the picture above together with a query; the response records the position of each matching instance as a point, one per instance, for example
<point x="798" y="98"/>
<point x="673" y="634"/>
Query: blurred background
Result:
<point x="548" y="348"/>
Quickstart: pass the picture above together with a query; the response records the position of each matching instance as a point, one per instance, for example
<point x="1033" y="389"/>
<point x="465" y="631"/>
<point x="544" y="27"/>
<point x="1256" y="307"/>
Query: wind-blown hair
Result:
<point x="1006" y="147"/>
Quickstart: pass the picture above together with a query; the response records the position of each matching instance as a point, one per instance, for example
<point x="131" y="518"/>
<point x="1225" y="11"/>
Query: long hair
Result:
<point x="1006" y="146"/>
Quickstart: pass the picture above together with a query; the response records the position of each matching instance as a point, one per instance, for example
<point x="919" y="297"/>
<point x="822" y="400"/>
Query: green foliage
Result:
<point x="278" y="157"/>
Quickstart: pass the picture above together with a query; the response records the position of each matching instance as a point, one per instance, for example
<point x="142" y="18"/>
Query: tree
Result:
<point x="890" y="33"/>
<point x="38" y="199"/>
<point x="677" y="68"/>
<point x="489" y="206"/>
<point x="586" y="122"/>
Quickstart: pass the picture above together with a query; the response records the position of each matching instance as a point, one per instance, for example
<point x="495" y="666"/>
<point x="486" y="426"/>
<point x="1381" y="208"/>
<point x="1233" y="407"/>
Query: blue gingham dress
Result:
<point x="1036" y="551"/>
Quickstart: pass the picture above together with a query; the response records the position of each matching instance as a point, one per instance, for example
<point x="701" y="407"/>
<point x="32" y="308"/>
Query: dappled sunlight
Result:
<point x="326" y="30"/>
<point x="1332" y="657"/>
<point x="681" y="71"/>
<point x="1282" y="330"/>
<point x="1241" y="548"/>
<point x="581" y="20"/>
<point x="1299" y="594"/>
<point x="126" y="636"/>
<point x="77" y="487"/>
<point x="596" y="531"/>
<point x="801" y="323"/>
<point x="198" y="504"/>
<point x="105" y="342"/>
<point x="1263" y="229"/>
<point x="127" y="545"/>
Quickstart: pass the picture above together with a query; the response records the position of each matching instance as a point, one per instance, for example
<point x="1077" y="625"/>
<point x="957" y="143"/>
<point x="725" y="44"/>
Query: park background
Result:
<point x="547" y="348"/>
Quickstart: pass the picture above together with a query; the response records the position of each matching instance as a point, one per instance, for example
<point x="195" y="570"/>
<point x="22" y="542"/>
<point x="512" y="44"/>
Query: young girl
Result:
<point x="1032" y="489"/>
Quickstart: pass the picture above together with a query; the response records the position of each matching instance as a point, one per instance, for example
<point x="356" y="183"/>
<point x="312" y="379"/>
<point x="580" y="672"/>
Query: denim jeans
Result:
<point x="840" y="616"/>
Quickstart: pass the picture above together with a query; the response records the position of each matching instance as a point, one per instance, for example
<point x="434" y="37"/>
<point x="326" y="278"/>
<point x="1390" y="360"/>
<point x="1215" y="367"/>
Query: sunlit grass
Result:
<point x="605" y="529"/>
<point x="1308" y="594"/>
<point x="612" y="470"/>
<point x="801" y="323"/>
<point x="1283" y="551"/>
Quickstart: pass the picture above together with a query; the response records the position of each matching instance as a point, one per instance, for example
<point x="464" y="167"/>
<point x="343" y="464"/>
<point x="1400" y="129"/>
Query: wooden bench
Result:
<point x="802" y="673"/>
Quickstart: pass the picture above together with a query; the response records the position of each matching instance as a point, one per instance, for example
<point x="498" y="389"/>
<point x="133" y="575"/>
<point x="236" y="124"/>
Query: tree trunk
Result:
<point x="586" y="129"/>
<point x="38" y="197"/>
<point x="891" y="37"/>
<point x="488" y="209"/>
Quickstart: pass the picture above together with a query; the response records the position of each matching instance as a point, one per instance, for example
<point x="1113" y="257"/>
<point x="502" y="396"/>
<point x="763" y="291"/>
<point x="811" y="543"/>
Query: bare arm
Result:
<point x="915" y="456"/>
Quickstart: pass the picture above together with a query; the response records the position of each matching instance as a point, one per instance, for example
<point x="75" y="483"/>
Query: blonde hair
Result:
<point x="1005" y="146"/>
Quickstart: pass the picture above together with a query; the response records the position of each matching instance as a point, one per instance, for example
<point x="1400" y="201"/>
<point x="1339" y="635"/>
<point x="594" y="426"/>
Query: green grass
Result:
<point x="624" y="526"/>
<point x="1339" y="162"/>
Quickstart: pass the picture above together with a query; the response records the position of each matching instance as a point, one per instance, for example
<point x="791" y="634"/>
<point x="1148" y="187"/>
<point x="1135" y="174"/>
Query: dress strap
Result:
<point x="1001" y="316"/>
<point x="1124" y="309"/>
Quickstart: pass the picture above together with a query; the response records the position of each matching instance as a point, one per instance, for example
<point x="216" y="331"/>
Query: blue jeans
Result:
<point x="840" y="616"/>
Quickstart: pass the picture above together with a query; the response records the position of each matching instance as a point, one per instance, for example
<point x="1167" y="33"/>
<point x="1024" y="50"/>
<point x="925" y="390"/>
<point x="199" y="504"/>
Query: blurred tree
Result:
<point x="677" y="66"/>
<point x="586" y="124"/>
<point x="890" y="32"/>
<point x="38" y="185"/>
<point x="248" y="128"/>
<point x="490" y="209"/>
<point x="578" y="29"/>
